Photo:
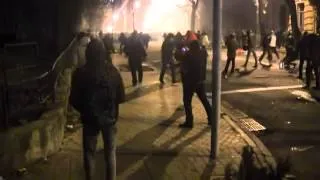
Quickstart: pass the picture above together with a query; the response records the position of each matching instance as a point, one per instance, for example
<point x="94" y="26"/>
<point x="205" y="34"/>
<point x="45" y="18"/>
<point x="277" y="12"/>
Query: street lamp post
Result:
<point x="216" y="76"/>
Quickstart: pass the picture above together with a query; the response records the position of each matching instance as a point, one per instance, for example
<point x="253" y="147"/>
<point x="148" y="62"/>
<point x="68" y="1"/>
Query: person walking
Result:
<point x="205" y="40"/>
<point x="136" y="54"/>
<point x="167" y="59"/>
<point x="303" y="52"/>
<point x="273" y="44"/>
<point x="96" y="92"/>
<point x="193" y="77"/>
<point x="232" y="46"/>
<point x="122" y="39"/>
<point x="266" y="49"/>
<point x="249" y="46"/>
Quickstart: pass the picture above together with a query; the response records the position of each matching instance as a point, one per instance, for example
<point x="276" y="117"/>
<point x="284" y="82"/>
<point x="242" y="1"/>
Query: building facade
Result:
<point x="306" y="16"/>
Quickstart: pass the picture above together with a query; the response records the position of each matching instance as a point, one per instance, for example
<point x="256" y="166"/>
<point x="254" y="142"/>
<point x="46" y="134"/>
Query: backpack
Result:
<point x="101" y="104"/>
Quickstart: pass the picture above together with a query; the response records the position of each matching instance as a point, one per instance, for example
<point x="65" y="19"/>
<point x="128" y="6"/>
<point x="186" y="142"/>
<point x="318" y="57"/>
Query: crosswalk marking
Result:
<point x="262" y="89"/>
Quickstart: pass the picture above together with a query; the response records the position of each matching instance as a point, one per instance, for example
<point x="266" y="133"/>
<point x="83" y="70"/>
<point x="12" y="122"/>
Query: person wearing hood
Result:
<point x="136" y="54"/>
<point x="232" y="46"/>
<point x="193" y="80"/>
<point x="167" y="50"/>
<point x="96" y="92"/>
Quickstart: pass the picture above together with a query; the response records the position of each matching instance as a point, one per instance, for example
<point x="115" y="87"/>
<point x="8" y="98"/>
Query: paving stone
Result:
<point x="150" y="145"/>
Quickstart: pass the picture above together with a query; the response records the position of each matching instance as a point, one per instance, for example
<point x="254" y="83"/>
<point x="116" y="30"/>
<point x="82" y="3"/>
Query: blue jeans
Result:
<point x="90" y="138"/>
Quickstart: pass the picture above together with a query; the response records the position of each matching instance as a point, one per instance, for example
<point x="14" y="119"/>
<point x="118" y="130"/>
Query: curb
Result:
<point x="249" y="137"/>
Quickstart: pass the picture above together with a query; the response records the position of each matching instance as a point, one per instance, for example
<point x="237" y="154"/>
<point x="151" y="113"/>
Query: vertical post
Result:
<point x="257" y="23"/>
<point x="216" y="76"/>
<point x="4" y="96"/>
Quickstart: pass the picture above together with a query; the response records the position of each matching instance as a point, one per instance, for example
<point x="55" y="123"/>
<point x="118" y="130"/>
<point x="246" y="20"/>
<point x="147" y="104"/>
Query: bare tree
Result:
<point x="194" y="8"/>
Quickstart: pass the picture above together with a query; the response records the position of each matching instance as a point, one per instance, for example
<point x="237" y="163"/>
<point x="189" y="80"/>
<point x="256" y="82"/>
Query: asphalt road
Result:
<point x="291" y="119"/>
<point x="272" y="98"/>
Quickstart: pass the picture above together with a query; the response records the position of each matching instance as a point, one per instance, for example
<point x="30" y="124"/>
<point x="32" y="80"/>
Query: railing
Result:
<point x="24" y="100"/>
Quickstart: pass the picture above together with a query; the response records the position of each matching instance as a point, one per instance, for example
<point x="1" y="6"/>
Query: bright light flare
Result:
<point x="167" y="16"/>
<point x="108" y="29"/>
<point x="115" y="17"/>
<point x="137" y="4"/>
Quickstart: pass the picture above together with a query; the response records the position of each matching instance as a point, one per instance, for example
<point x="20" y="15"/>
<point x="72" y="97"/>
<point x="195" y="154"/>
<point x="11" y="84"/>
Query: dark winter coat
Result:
<point x="96" y="71"/>
<point x="194" y="65"/>
<point x="232" y="46"/>
<point x="167" y="49"/>
<point x="135" y="51"/>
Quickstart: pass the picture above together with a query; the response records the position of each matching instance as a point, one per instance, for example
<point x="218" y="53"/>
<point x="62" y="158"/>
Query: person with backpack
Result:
<point x="96" y="92"/>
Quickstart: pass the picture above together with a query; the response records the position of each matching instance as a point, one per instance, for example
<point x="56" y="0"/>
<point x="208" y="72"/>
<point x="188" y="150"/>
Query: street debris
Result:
<point x="301" y="148"/>
<point x="303" y="95"/>
<point x="22" y="172"/>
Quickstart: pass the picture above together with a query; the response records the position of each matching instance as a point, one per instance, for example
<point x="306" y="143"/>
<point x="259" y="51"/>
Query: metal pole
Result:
<point x="216" y="76"/>
<point x="4" y="96"/>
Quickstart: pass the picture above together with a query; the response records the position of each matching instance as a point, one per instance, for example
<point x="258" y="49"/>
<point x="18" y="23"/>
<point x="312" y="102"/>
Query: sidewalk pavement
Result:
<point x="150" y="145"/>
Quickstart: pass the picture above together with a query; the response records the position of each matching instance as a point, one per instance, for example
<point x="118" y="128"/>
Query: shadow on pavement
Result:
<point x="245" y="72"/>
<point x="157" y="163"/>
<point x="146" y="137"/>
<point x="206" y="174"/>
<point x="143" y="91"/>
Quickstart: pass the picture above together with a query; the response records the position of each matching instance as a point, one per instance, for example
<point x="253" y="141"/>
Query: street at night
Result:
<point x="160" y="90"/>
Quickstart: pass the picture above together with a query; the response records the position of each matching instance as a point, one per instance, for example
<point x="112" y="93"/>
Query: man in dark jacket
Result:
<point x="108" y="43"/>
<point x="232" y="46"/>
<point x="136" y="54"/>
<point x="251" y="49"/>
<point x="303" y="52"/>
<point x="97" y="90"/>
<point x="266" y="48"/>
<point x="122" y="39"/>
<point x="167" y="49"/>
<point x="193" y="77"/>
<point x="290" y="46"/>
<point x="314" y="63"/>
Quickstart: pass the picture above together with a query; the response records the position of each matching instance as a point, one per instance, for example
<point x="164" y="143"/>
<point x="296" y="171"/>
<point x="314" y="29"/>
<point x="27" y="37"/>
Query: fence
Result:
<point x="26" y="99"/>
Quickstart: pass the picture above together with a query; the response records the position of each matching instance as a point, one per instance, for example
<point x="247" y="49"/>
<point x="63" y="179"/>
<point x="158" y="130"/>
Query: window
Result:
<point x="300" y="16"/>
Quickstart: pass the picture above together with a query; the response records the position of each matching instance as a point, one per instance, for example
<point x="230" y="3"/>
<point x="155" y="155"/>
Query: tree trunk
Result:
<point x="294" y="20"/>
<point x="193" y="18"/>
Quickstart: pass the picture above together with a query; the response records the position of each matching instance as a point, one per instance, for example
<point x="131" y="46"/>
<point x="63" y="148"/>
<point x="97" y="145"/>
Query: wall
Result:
<point x="309" y="16"/>
<point x="43" y="137"/>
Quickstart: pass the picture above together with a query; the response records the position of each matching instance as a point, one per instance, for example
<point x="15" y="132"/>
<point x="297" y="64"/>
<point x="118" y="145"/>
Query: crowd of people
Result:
<point x="97" y="87"/>
<point x="304" y="48"/>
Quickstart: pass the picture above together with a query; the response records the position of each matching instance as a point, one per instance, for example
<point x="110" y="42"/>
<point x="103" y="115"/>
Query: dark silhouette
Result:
<point x="194" y="75"/>
<point x="266" y="48"/>
<point x="303" y="52"/>
<point x="167" y="60"/>
<point x="249" y="46"/>
<point x="136" y="53"/>
<point x="97" y="90"/>
<point x="122" y="39"/>
<point x="232" y="46"/>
